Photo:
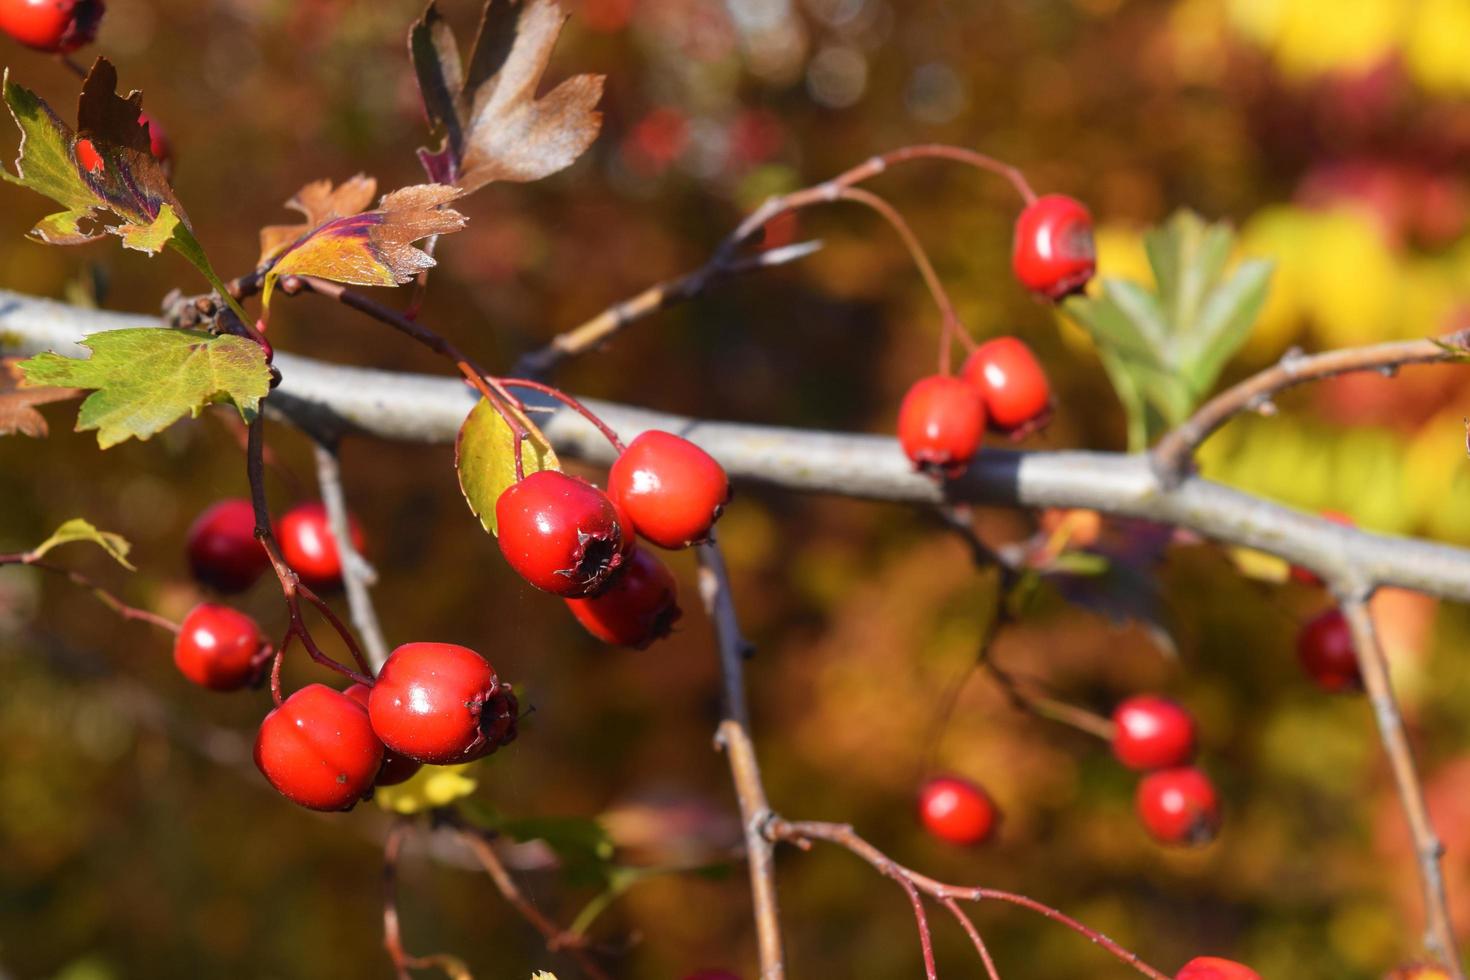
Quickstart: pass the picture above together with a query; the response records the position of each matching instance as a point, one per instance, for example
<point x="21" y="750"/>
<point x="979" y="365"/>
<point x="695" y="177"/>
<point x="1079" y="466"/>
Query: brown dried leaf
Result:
<point x="320" y="202"/>
<point x="18" y="405"/>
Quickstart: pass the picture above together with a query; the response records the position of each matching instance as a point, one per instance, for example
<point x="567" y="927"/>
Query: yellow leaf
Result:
<point x="429" y="788"/>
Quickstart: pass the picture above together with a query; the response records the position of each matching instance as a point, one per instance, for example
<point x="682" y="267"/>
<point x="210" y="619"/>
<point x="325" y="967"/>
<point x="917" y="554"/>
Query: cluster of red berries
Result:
<point x="1175" y="802"/>
<point x="942" y="420"/>
<point x="1324" y="646"/>
<point x="224" y="553"/>
<point x="567" y="537"/>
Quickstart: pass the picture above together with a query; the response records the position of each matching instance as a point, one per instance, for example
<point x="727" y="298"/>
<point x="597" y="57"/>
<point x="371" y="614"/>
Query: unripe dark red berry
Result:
<point x="638" y="606"/>
<point x="1150" y="732"/>
<point x="1305" y="576"/>
<point x="1053" y="252"/>
<point x="560" y="533"/>
<point x="1325" y="648"/>
<point x="671" y="490"/>
<point x="957" y="811"/>
<point x="1215" y="968"/>
<point x="1178" y="806"/>
<point x="307" y="544"/>
<point x="158" y="142"/>
<point x="318" y="749"/>
<point x="216" y="647"/>
<point x="395" y="768"/>
<point x="941" y="423"/>
<point x="55" y="26"/>
<point x="441" y="703"/>
<point x="1012" y="383"/>
<point x="222" y="548"/>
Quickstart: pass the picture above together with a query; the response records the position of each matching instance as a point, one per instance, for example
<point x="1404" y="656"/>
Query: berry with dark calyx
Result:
<point x="318" y="749"/>
<point x="941" y="423"/>
<point x="441" y="703"/>
<point x="223" y="551"/>
<point x="1053" y="253"/>
<point x="53" y="26"/>
<point x="672" y="490"/>
<point x="1150" y="732"/>
<point x="560" y="533"/>
<point x="1010" y="379"/>
<point x="1326" y="651"/>
<point x="396" y="768"/>
<point x="307" y="544"/>
<point x="1305" y="576"/>
<point x="957" y="811"/>
<point x="217" y="646"/>
<point x="1178" y="806"/>
<point x="1215" y="968"/>
<point x="637" y="607"/>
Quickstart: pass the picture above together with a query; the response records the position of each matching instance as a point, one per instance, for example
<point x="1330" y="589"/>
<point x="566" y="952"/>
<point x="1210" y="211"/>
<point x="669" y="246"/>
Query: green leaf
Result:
<point x="484" y="455"/>
<point x="1224" y="324"/>
<point x="78" y="529"/>
<point x="147" y="379"/>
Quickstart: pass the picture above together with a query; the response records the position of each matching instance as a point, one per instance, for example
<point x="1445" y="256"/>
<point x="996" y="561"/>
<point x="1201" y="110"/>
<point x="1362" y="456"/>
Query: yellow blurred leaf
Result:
<point x="429" y="788"/>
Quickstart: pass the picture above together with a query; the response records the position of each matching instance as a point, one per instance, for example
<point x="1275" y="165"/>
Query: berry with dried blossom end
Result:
<point x="1053" y="253"/>
<point x="957" y="811"/>
<point x="670" y="489"/>
<point x="222" y="548"/>
<point x="217" y="646"/>
<point x="1151" y="732"/>
<point x="640" y="604"/>
<point x="318" y="749"/>
<point x="560" y="533"/>
<point x="440" y="703"/>
<point x="53" y="26"/>
<point x="1215" y="968"/>
<point x="307" y="544"/>
<point x="1327" y="653"/>
<point x="1178" y="806"/>
<point x="941" y="423"/>
<point x="1010" y="379"/>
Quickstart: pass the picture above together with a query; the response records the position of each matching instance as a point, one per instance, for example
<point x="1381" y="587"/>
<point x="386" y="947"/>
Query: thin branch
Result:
<point x="357" y="575"/>
<point x="1050" y="709"/>
<point x="1439" y="935"/>
<point x="980" y="948"/>
<point x="112" y="602"/>
<point x="392" y="933"/>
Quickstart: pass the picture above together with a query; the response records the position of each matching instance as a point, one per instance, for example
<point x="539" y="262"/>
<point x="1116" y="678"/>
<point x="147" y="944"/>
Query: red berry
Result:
<point x="158" y="143"/>
<point x="216" y="647"/>
<point x="318" y="749"/>
<point x="1178" y="806"/>
<point x="1010" y="379"/>
<point x="1325" y="648"/>
<point x="560" y="533"/>
<point x="1053" y="253"/>
<point x="1306" y="577"/>
<point x="1214" y="968"/>
<point x="223" y="551"/>
<point x="396" y="768"/>
<point x="1151" y="732"/>
<point x="672" y="490"/>
<point x="941" y="423"/>
<point x="956" y="810"/>
<point x="441" y="703"/>
<point x="305" y="535"/>
<point x="55" y="26"/>
<point x="638" y="606"/>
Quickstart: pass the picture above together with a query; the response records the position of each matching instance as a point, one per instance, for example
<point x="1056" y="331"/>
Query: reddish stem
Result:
<point x="571" y="403"/>
<point x="112" y="602"/>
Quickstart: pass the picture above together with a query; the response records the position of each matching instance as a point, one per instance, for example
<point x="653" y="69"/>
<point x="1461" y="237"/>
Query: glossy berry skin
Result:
<point x="305" y="536"/>
<point x="637" y="607"/>
<point x="560" y="533"/>
<point x="318" y="749"/>
<point x="1150" y="732"/>
<point x="1178" y="806"/>
<point x="671" y="490"/>
<point x="1302" y="575"/>
<point x="216" y="647"/>
<point x="1215" y="968"/>
<point x="956" y="811"/>
<point x="941" y="423"/>
<point x="1325" y="648"/>
<point x="222" y="549"/>
<point x="54" y="26"/>
<point x="1053" y="252"/>
<point x="396" y="768"/>
<point x="1010" y="380"/>
<point x="440" y="703"/>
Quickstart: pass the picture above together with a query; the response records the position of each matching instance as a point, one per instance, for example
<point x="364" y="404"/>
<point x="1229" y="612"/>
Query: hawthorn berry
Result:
<point x="222" y="548"/>
<point x="1306" y="576"/>
<point x="1011" y="382"/>
<point x="54" y="26"/>
<point x="1053" y="252"/>
<point x="1178" y="806"/>
<point x="670" y="489"/>
<point x="396" y="768"/>
<point x="441" y="703"/>
<point x="307" y="544"/>
<point x="560" y="533"/>
<point x="956" y="810"/>
<point x="318" y="749"/>
<point x="158" y="142"/>
<point x="941" y="423"/>
<point x="1325" y="648"/>
<point x="1215" y="968"/>
<point x="638" y="606"/>
<point x="216" y="647"/>
<point x="1150" y="732"/>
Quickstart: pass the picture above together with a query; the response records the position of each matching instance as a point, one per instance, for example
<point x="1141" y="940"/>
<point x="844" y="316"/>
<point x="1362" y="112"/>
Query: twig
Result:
<point x="357" y="575"/>
<point x="1050" y="709"/>
<point x="1171" y="457"/>
<point x="1439" y="937"/>
<point x="974" y="934"/>
<point x="452" y="966"/>
<point x="103" y="595"/>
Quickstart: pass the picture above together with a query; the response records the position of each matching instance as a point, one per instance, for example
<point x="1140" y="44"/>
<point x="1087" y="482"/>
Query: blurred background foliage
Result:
<point x="136" y="840"/>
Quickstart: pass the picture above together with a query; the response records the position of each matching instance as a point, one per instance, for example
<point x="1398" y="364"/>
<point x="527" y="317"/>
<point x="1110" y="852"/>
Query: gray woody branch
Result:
<point x="330" y="401"/>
